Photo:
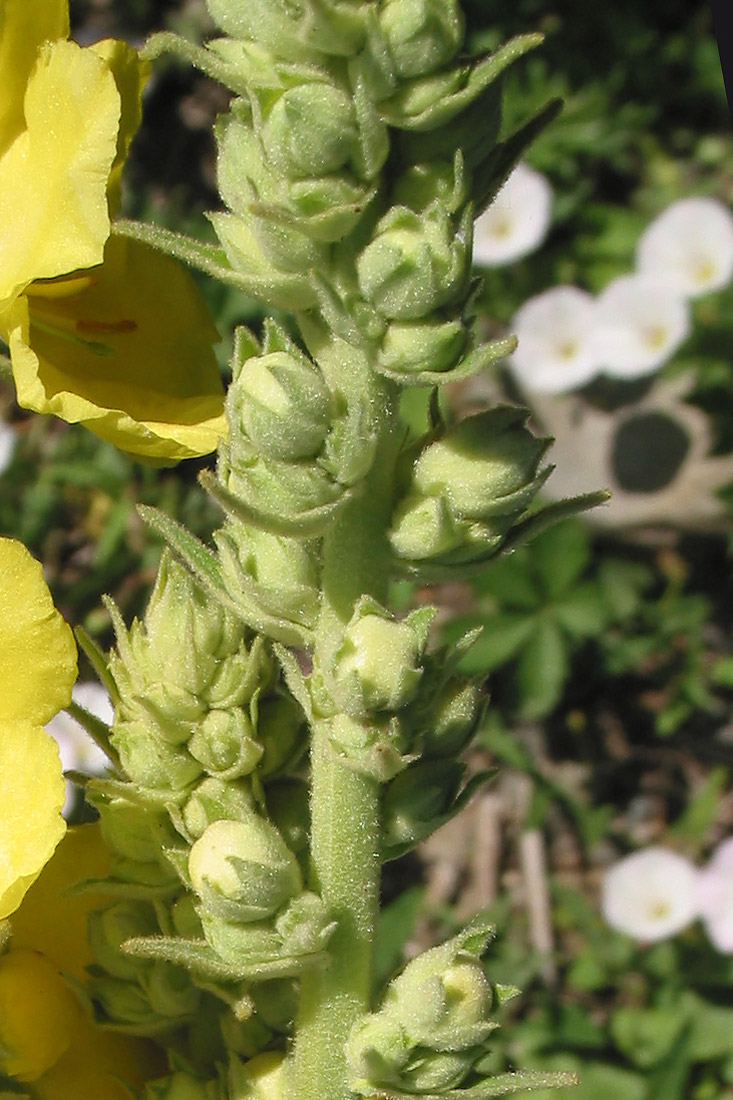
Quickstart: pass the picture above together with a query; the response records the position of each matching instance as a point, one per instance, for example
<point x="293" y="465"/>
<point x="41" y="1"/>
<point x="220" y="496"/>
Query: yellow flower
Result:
<point x="37" y="672"/>
<point x="48" y="1038"/>
<point x="101" y="331"/>
<point x="124" y="348"/>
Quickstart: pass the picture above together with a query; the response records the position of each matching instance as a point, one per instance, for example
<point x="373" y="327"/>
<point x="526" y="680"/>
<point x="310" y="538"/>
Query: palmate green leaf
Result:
<point x="647" y="1035"/>
<point x="510" y="579"/>
<point x="582" y="613"/>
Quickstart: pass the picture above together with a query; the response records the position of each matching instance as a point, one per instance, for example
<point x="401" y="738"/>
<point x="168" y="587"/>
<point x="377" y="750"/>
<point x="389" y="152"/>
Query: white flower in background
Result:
<point x="690" y="246"/>
<point x="556" y="351"/>
<point x="715" y="897"/>
<point x="8" y="439"/>
<point x="516" y="222"/>
<point x="640" y="323"/>
<point x="650" y="895"/>
<point x="77" y="750"/>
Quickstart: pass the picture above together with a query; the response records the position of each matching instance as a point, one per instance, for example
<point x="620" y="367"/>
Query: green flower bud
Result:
<point x="411" y="347"/>
<point x="485" y="466"/>
<point x="263" y="1077"/>
<point x="170" y="991"/>
<point x="434" y="1072"/>
<point x="243" y="870"/>
<point x="378" y="664"/>
<point x="283" y="405"/>
<point x="302" y="31"/>
<point x="423" y="35"/>
<point x="422" y="527"/>
<point x="111" y="927"/>
<point x="224" y="745"/>
<point x="280" y="729"/>
<point x="310" y="130"/>
<point x="217" y="800"/>
<point x="126" y="1004"/>
<point x="414" y="264"/>
<point x="374" y="748"/>
<point x="150" y="761"/>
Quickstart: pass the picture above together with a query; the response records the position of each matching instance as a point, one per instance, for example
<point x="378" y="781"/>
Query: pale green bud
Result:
<point x="125" y="1003"/>
<point x="422" y="527"/>
<point x="310" y="130"/>
<point x="301" y="31"/>
<point x="413" y="346"/>
<point x="263" y="1077"/>
<point x="109" y="928"/>
<point x="216" y="800"/>
<point x="414" y="264"/>
<point x="305" y="926"/>
<point x="485" y="466"/>
<point x="151" y="762"/>
<point x="378" y="1049"/>
<point x="435" y="1072"/>
<point x="422" y="35"/>
<point x="243" y="870"/>
<point x="280" y="732"/>
<point x="374" y="748"/>
<point x="224" y="744"/>
<point x="378" y="665"/>
<point x="283" y="405"/>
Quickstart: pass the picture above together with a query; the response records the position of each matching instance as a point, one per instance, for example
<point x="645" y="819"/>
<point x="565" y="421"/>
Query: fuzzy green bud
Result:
<point x="485" y="466"/>
<point x="109" y="928"/>
<point x="413" y="346"/>
<point x="243" y="870"/>
<point x="217" y="800"/>
<point x="378" y="665"/>
<point x="183" y="1086"/>
<point x="310" y="130"/>
<point x="133" y="831"/>
<point x="452" y="719"/>
<point x="224" y="745"/>
<point x="374" y="748"/>
<point x="151" y="762"/>
<point x="422" y="35"/>
<point x="414" y="264"/>
<point x="422" y="527"/>
<point x="283" y="405"/>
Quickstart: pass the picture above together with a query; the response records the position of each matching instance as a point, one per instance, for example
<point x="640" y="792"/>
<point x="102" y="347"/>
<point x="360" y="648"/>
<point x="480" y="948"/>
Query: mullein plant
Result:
<point x="279" y="731"/>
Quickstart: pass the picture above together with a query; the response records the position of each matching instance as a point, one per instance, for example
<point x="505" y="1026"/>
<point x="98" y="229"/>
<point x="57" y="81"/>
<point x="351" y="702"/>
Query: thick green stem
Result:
<point x="345" y="823"/>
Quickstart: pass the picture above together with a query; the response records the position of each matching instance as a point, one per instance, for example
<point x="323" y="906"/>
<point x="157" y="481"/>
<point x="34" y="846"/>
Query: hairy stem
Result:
<point x="345" y="825"/>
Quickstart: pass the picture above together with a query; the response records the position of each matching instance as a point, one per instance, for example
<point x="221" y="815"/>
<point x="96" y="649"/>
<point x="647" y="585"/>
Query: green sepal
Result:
<point x="308" y="524"/>
<point x="435" y="780"/>
<point x="549" y="514"/>
<point x="205" y="567"/>
<point x="97" y="730"/>
<point x="502" y="1085"/>
<point x="294" y="678"/>
<point x="492" y="171"/>
<point x="477" y="360"/>
<point x="428" y="102"/>
<point x="193" y="955"/>
<point x="253" y="273"/>
<point x="98" y="661"/>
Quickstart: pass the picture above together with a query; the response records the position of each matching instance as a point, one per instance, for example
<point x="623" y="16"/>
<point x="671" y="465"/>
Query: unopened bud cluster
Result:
<point x="434" y="1024"/>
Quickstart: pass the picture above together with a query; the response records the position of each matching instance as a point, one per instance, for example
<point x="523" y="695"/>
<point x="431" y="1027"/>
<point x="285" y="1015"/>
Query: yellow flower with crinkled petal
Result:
<point x="37" y="672"/>
<point x="101" y="331"/>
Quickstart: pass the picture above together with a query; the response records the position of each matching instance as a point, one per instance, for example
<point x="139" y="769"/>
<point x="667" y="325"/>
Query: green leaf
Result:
<point x="501" y="639"/>
<point x="622" y="584"/>
<point x="510" y="580"/>
<point x="646" y="1036"/>
<point x="542" y="670"/>
<point x="582" y="612"/>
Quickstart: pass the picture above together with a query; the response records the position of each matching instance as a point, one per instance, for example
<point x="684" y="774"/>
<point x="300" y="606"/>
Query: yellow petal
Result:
<point x="38" y="1013"/>
<point x="24" y="25"/>
<point x="53" y="918"/>
<point x="53" y="178"/>
<point x="37" y="649"/>
<point x="129" y="355"/>
<point x="31" y="796"/>
<point x="130" y="75"/>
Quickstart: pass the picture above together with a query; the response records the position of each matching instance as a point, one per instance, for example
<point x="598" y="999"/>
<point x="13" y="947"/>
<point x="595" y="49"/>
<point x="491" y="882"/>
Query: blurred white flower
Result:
<point x="650" y="895"/>
<point x="690" y="246"/>
<point x="640" y="323"/>
<point x="715" y="897"/>
<point x="77" y="750"/>
<point x="516" y="222"/>
<point x="556" y="350"/>
<point x="8" y="439"/>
